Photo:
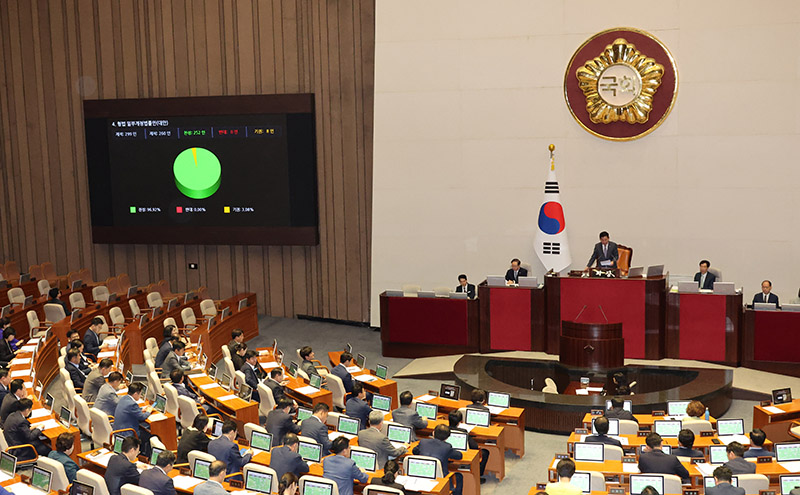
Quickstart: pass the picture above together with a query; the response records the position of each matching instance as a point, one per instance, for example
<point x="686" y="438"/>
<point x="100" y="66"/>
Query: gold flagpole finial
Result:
<point x="552" y="149"/>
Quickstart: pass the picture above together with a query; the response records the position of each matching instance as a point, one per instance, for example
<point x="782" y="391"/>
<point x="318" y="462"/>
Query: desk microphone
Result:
<point x="604" y="313"/>
<point x="579" y="313"/>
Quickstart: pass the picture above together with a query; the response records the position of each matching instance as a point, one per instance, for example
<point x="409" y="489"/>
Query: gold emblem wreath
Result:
<point x="636" y="111"/>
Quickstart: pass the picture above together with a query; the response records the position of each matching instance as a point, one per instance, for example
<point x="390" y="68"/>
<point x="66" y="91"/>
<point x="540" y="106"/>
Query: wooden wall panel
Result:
<point x="55" y="53"/>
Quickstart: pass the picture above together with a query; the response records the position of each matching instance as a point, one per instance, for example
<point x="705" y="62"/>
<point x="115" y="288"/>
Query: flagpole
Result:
<point x="552" y="148"/>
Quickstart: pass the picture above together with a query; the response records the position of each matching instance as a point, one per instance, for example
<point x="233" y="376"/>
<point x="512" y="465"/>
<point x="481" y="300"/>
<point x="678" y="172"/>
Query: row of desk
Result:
<point x="656" y="323"/>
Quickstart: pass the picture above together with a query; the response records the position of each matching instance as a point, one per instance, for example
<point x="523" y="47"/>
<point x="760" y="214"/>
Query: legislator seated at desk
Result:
<point x="565" y="469"/>
<point x="156" y="478"/>
<point x="515" y="272"/>
<point x="654" y="460"/>
<point x="465" y="286"/>
<point x="605" y="253"/>
<point x="736" y="462"/>
<point x="601" y="426"/>
<point x="704" y="277"/>
<point x="617" y="410"/>
<point x="438" y="448"/>
<point x="286" y="459"/>
<point x="766" y="295"/>
<point x="686" y="441"/>
<point x="18" y="431"/>
<point x="341" y="468"/>
<point x="723" y="478"/>
<point x="757" y="439"/>
<point x="122" y="467"/>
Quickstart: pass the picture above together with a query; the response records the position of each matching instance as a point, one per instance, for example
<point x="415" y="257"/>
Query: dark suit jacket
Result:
<point x="522" y="272"/>
<point x="18" y="431"/>
<point x="61" y="303"/>
<point x="409" y="417"/>
<point x="758" y="452"/>
<point x="91" y="343"/>
<point x="357" y="408"/>
<point x="283" y="460"/>
<point x="684" y="452"/>
<point x="6" y="352"/>
<point x="7" y="407"/>
<point x="433" y="447"/>
<point x="620" y="414"/>
<point x="343" y="471"/>
<point x="163" y="351"/>
<point x="660" y="463"/>
<point x="238" y="361"/>
<point x="172" y="362"/>
<point x="379" y="481"/>
<point x="277" y="389"/>
<point x="759" y="298"/>
<point x="157" y="482"/>
<point x="191" y="440"/>
<point x="724" y="489"/>
<point x="309" y="367"/>
<point x="120" y="471"/>
<point x="279" y="423"/>
<point x="611" y="255"/>
<point x="470" y="289"/>
<point x="710" y="279"/>
<point x="76" y="375"/>
<point x="251" y="379"/>
<point x="347" y="379"/>
<point x="603" y="439"/>
<point x="128" y="414"/>
<point x="225" y="450"/>
<point x="313" y="428"/>
<point x="185" y="391"/>
<point x="3" y="392"/>
<point x="738" y="465"/>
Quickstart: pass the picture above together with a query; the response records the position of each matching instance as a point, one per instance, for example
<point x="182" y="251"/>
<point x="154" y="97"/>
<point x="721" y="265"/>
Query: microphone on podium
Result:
<point x="579" y="313"/>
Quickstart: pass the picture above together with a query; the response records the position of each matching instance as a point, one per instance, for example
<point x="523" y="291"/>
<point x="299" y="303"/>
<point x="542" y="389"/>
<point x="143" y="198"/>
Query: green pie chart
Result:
<point x="197" y="173"/>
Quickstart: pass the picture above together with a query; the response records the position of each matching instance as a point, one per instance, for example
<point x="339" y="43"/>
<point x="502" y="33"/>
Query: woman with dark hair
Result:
<point x="288" y="484"/>
<point x="390" y="470"/>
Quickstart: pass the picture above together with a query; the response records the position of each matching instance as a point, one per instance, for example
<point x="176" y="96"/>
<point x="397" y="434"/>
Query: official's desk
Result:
<point x="768" y="341"/>
<point x="704" y="327"/>
<point x="512" y="318"/>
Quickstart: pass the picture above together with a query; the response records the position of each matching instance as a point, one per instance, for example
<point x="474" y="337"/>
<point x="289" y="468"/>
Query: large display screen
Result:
<point x="204" y="170"/>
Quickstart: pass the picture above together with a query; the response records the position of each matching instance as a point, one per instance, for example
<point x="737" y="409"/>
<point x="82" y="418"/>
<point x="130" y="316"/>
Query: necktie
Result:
<point x="605" y="250"/>
<point x="765" y="297"/>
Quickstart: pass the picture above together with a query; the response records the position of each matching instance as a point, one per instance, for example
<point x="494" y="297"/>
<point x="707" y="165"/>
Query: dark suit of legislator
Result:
<point x="192" y="439"/>
<point x="708" y="283"/>
<point x="771" y="298"/>
<point x="620" y="414"/>
<point x="724" y="488"/>
<point x="660" y="463"/>
<point x="283" y="460"/>
<point x="610" y="253"/>
<point x="738" y="465"/>
<point x="605" y="439"/>
<point x="120" y="471"/>
<point x="510" y="275"/>
<point x="279" y="423"/>
<point x="470" y="290"/>
<point x="157" y="481"/>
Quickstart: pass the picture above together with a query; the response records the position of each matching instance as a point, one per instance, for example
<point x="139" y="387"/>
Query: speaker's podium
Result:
<point x="591" y="342"/>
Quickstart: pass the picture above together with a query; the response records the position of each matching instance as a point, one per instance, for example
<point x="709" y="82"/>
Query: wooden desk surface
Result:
<point x="293" y="384"/>
<point x="644" y="420"/>
<point x="16" y="479"/>
<point x="635" y="441"/>
<point x="762" y="416"/>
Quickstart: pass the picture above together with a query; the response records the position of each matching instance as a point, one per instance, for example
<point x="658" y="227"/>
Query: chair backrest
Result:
<point x="70" y="393"/>
<point x="59" y="480"/>
<point x="148" y="356"/>
<point x="112" y="283"/>
<point x="36" y="272"/>
<point x="696" y="426"/>
<point x="550" y="386"/>
<point x="380" y="490"/>
<point x="16" y="295"/>
<point x="155" y="385"/>
<point x="188" y="409"/>
<point x="628" y="427"/>
<point x="672" y="483"/>
<point x="101" y="427"/>
<point x="93" y="479"/>
<point x="267" y="403"/>
<point x="73" y="276"/>
<point x="333" y="419"/>
<point x="156" y="442"/>
<point x="337" y="389"/>
<point x="3" y="442"/>
<point x="238" y="379"/>
<point x="172" y="399"/>
<point x="86" y="275"/>
<point x="228" y="365"/>
<point x="409" y="289"/>
<point x="251" y="427"/>
<point x="163" y="287"/>
<point x="442" y="291"/>
<point x="226" y="352"/>
<point x="439" y="468"/>
<point x="134" y="307"/>
<point x="12" y="270"/>
<point x="129" y="489"/>
<point x="76" y="300"/>
<point x="625" y="257"/>
<point x="100" y="293"/>
<point x="188" y="317"/>
<point x="193" y="455"/>
<point x="83" y="415"/>
<point x="170" y="321"/>
<point x="44" y="286"/>
<point x="124" y="281"/>
<point x="149" y="364"/>
<point x="54" y="312"/>
<point x="252" y="466"/>
<point x="753" y="483"/>
<point x="598" y="481"/>
<point x="116" y="315"/>
<point x="154" y="300"/>
<point x="718" y="278"/>
<point x="304" y="479"/>
<point x="152" y="345"/>
<point x="208" y="308"/>
<point x="49" y="270"/>
<point x="613" y="453"/>
<point x="202" y="292"/>
<point x="33" y="320"/>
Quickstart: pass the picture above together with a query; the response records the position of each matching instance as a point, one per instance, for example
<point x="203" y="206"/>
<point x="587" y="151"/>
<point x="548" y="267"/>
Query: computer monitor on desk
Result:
<point x="655" y="271"/>
<point x="640" y="481"/>
<point x="458" y="295"/>
<point x="495" y="281"/>
<point x="528" y="282"/>
<point x="688" y="287"/>
<point x="677" y="408"/>
<point x="794" y="308"/>
<point x="582" y="480"/>
<point x="724" y="288"/>
<point x="636" y="271"/>
<point x="789" y="482"/>
<point x="762" y="306"/>
<point x="717" y="454"/>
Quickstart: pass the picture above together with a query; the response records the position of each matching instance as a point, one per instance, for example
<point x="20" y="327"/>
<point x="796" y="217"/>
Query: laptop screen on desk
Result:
<point x="348" y="425"/>
<point x="730" y="427"/>
<point x="160" y="404"/>
<point x="216" y="428"/>
<point x="361" y="361"/>
<point x="591" y="452"/>
<point x="314" y="487"/>
<point x="154" y="455"/>
<point x="667" y="428"/>
<point x="315" y="381"/>
<point x="477" y="417"/>
<point x="8" y="463"/>
<point x="201" y="469"/>
<point x="258" y="482"/>
<point x="677" y="408"/>
<point x="627" y="405"/>
<point x="458" y="440"/>
<point x="718" y="454"/>
<point x="381" y="371"/>
<point x="450" y="391"/>
<point x="422" y="468"/>
<point x="118" y="444"/>
<point x="787" y="452"/>
<point x="365" y="460"/>
<point x="40" y="479"/>
<point x="664" y="448"/>
<point x="79" y="488"/>
<point x="640" y="481"/>
<point x="499" y="399"/>
<point x="582" y="480"/>
<point x="303" y="413"/>
<point x="789" y="482"/>
<point x="260" y="440"/>
<point x="613" y="426"/>
<point x="397" y="433"/>
<point x="310" y="451"/>
<point x="426" y="410"/>
<point x="381" y="403"/>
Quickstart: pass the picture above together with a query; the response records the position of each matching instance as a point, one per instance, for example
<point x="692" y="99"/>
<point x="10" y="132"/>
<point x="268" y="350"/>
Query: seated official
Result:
<point x="654" y="460"/>
<point x="55" y="298"/>
<point x="722" y="478"/>
<point x="345" y="361"/>
<point x="156" y="478"/>
<point x="18" y="431"/>
<point x="341" y="469"/>
<point x="465" y="286"/>
<point x="277" y="384"/>
<point x="121" y="468"/>
<point x="16" y="391"/>
<point x="181" y="384"/>
<point x="175" y="359"/>
<point x="5" y="381"/>
<point x="128" y="415"/>
<point x="565" y="470"/>
<point x="373" y="438"/>
<point x="279" y="422"/>
<point x="237" y="337"/>
<point x="5" y="324"/>
<point x="65" y="445"/>
<point x="86" y="364"/>
<point x="314" y="426"/>
<point x="357" y="407"/>
<point x="107" y="398"/>
<point x="73" y="366"/>
<point x="252" y="372"/>
<point x="454" y="419"/>
<point x="686" y="441"/>
<point x="438" y="448"/>
<point x="225" y="449"/>
<point x="617" y="410"/>
<point x="515" y="272"/>
<point x="170" y="333"/>
<point x="705" y="278"/>
<point x="7" y="352"/>
<point x="237" y="356"/>
<point x="605" y="253"/>
<point x="736" y="462"/>
<point x="216" y="475"/>
<point x="406" y="415"/>
<point x="96" y="379"/>
<point x="695" y="412"/>
<point x="757" y="439"/>
<point x="391" y="469"/>
<point x="285" y="459"/>
<point x="478" y="398"/>
<point x="307" y="355"/>
<point x="766" y="295"/>
<point x="72" y="334"/>
<point x="193" y="438"/>
<point x="601" y="425"/>
<point x="92" y="339"/>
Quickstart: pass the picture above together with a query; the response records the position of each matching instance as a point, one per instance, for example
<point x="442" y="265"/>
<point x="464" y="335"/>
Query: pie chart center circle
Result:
<point x="197" y="172"/>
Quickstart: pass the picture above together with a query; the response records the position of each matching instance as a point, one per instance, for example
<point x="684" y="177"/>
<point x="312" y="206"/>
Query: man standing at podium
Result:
<point x="515" y="272"/>
<point x="465" y="286"/>
<point x="766" y="295"/>
<point x="605" y="253"/>
<point x="705" y="278"/>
